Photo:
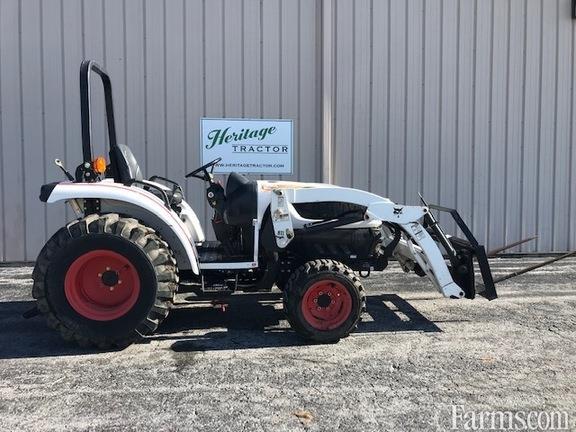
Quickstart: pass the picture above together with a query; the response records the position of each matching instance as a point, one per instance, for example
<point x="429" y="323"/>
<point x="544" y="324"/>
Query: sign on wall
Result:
<point x="248" y="146"/>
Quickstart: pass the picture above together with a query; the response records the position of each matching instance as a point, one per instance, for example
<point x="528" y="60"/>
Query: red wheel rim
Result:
<point x="102" y="285"/>
<point x="326" y="305"/>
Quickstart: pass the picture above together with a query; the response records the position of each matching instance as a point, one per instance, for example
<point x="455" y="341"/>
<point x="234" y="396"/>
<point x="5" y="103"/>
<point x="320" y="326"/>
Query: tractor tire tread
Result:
<point x="157" y="251"/>
<point x="296" y="284"/>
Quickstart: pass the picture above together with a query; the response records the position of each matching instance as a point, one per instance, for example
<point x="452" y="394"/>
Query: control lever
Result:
<point x="60" y="165"/>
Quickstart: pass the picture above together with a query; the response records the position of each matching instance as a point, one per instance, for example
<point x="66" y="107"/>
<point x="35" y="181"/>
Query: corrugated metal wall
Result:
<point x="171" y="63"/>
<point x="470" y="102"/>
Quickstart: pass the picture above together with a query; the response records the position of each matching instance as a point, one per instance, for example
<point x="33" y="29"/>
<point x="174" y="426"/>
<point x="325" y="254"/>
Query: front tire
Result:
<point x="323" y="300"/>
<point x="105" y="280"/>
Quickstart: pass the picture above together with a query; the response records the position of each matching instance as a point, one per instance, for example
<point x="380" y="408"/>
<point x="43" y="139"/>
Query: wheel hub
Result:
<point x="324" y="300"/>
<point x="102" y="285"/>
<point x="110" y="278"/>
<point x="326" y="304"/>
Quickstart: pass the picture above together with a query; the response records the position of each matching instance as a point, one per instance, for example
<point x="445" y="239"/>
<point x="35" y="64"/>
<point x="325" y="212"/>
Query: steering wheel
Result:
<point x="206" y="175"/>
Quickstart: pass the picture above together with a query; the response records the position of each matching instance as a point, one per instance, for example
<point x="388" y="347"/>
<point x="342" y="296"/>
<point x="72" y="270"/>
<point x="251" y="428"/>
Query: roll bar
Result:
<point x="86" y="69"/>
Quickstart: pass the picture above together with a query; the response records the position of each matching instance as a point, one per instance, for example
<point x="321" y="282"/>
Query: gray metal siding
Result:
<point x="470" y="102"/>
<point x="171" y="62"/>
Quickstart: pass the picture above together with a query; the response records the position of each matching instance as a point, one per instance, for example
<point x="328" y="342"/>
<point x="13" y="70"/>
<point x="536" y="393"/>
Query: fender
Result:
<point x="152" y="210"/>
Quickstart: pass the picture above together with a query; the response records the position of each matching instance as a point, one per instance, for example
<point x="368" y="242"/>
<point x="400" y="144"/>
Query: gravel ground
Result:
<point x="413" y="357"/>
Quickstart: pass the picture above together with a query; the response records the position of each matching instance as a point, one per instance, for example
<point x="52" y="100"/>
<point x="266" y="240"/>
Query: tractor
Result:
<point x="110" y="276"/>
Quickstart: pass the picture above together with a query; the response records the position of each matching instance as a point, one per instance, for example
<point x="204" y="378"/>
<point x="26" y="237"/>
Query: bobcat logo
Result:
<point x="398" y="210"/>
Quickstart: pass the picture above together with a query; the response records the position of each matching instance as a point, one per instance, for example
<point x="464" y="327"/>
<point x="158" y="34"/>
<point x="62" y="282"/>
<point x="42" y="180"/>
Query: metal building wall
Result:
<point x="470" y="102"/>
<point x="171" y="62"/>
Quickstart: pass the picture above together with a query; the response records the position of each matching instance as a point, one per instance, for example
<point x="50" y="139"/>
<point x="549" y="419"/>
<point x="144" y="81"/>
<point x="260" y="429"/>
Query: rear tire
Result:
<point x="323" y="300"/>
<point x="105" y="280"/>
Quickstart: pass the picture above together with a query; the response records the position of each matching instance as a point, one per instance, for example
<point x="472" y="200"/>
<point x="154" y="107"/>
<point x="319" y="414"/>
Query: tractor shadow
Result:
<point x="258" y="321"/>
<point x="249" y="321"/>
<point x="29" y="338"/>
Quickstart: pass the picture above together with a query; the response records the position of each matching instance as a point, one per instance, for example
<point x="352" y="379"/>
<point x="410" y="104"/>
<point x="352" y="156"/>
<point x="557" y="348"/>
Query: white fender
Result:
<point x="136" y="196"/>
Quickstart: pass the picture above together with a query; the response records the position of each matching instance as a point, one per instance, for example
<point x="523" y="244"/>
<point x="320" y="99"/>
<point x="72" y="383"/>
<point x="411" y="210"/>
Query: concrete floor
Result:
<point x="413" y="357"/>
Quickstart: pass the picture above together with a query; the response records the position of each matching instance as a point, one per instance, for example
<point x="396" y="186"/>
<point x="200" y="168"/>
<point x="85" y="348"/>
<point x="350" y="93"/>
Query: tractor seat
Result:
<point x="125" y="170"/>
<point x="241" y="200"/>
<point x="124" y="164"/>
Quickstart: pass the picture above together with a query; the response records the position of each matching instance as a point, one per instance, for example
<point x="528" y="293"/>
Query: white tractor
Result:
<point x="110" y="276"/>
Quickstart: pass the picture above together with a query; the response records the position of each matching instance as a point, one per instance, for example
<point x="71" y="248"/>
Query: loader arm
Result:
<point x="417" y="244"/>
<point x="426" y="252"/>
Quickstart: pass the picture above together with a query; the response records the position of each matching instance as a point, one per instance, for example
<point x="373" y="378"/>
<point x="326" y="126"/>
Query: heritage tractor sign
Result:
<point x="248" y="146"/>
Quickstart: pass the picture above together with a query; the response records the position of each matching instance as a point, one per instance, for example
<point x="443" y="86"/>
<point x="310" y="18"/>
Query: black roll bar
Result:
<point x="86" y="69"/>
